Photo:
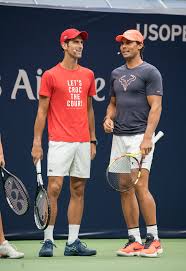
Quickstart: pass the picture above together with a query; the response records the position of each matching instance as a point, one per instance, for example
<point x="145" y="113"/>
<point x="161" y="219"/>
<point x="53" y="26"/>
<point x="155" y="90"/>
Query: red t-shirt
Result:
<point x="68" y="91"/>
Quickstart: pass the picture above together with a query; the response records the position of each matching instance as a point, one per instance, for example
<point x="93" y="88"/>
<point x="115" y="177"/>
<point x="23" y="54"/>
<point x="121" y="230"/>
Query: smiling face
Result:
<point x="73" y="47"/>
<point x="130" y="49"/>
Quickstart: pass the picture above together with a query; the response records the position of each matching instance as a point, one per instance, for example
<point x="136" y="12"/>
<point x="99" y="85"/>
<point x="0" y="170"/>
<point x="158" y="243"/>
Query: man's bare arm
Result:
<point x="37" y="151"/>
<point x="2" y="161"/>
<point x="155" y="103"/>
<point x="91" y="121"/>
<point x="108" y="123"/>
<point x="111" y="109"/>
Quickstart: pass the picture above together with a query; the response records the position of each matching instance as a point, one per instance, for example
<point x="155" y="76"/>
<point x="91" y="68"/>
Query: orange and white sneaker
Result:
<point x="152" y="247"/>
<point x="132" y="248"/>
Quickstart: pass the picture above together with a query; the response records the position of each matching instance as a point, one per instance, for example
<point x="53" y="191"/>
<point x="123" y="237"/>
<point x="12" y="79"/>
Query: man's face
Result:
<point x="130" y="49"/>
<point x="74" y="47"/>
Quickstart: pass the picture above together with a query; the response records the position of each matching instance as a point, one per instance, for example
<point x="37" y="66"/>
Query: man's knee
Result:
<point x="128" y="194"/>
<point x="142" y="185"/>
<point x="77" y="190"/>
<point x="54" y="187"/>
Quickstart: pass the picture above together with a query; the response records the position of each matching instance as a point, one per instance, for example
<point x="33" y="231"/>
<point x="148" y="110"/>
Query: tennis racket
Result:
<point x="41" y="203"/>
<point x="124" y="172"/>
<point x="15" y="192"/>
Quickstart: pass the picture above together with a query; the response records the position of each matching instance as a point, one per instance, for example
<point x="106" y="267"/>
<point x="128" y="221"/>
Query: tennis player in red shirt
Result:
<point x="65" y="100"/>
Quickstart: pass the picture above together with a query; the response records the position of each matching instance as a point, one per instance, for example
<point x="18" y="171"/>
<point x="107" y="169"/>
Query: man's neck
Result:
<point x="69" y="63"/>
<point x="134" y="62"/>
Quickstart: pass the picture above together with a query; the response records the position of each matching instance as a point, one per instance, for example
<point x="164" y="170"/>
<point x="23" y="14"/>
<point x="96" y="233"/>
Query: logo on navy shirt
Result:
<point x="126" y="82"/>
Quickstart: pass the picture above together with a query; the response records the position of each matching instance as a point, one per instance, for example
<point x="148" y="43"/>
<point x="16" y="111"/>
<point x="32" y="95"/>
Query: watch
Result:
<point x="95" y="142"/>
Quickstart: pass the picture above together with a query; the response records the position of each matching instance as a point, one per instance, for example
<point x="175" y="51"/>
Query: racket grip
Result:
<point x="158" y="136"/>
<point x="38" y="167"/>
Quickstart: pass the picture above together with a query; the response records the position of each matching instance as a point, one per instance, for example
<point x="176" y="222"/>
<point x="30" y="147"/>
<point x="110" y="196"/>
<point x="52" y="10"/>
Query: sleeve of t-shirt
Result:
<point x="92" y="89"/>
<point x="46" y="84"/>
<point x="112" y="92"/>
<point x="154" y="84"/>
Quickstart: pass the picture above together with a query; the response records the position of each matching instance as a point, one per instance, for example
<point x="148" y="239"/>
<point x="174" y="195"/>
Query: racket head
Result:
<point x="15" y="192"/>
<point x="124" y="172"/>
<point x="42" y="208"/>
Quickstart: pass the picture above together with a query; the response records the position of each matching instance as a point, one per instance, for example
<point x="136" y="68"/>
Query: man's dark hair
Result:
<point x="141" y="50"/>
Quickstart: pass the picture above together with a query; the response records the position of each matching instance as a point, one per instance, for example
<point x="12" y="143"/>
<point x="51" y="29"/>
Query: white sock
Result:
<point x="153" y="230"/>
<point x="136" y="233"/>
<point x="73" y="233"/>
<point x="48" y="233"/>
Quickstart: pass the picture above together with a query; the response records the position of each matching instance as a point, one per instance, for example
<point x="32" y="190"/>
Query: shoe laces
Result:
<point x="83" y="244"/>
<point x="130" y="241"/>
<point x="48" y="244"/>
<point x="149" y="240"/>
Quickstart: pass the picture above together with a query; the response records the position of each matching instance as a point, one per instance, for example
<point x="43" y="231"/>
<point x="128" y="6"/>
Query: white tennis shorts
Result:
<point x="69" y="159"/>
<point x="130" y="144"/>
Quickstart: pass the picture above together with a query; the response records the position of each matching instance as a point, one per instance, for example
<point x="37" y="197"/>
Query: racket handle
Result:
<point x="38" y="170"/>
<point x="158" y="136"/>
<point x="38" y="167"/>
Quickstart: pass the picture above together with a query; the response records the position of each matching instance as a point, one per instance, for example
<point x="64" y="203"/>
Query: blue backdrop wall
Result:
<point x="29" y="44"/>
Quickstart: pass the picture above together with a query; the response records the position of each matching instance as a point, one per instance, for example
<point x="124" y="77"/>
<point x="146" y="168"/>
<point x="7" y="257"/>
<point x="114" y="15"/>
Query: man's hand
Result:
<point x="37" y="153"/>
<point x="108" y="125"/>
<point x="92" y="151"/>
<point x="2" y="160"/>
<point x="146" y="146"/>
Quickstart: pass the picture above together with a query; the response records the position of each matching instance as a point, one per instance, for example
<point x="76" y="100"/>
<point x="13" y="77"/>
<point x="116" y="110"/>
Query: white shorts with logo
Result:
<point x="69" y="159"/>
<point x="130" y="144"/>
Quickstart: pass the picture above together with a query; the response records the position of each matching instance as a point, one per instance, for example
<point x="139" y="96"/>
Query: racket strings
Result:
<point x="121" y="165"/>
<point x="42" y="206"/>
<point x="16" y="196"/>
<point x="123" y="173"/>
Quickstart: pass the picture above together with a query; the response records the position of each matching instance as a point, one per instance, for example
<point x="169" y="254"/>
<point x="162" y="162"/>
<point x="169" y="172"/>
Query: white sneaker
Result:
<point x="7" y="250"/>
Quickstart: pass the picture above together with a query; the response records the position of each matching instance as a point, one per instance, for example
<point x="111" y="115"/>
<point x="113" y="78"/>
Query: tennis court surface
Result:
<point x="173" y="258"/>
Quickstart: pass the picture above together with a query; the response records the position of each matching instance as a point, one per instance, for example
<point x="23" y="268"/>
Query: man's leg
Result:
<point x="148" y="210"/>
<point x="75" y="212"/>
<point x="75" y="208"/>
<point x="130" y="209"/>
<point x="145" y="199"/>
<point x="2" y="237"/>
<point x="54" y="189"/>
<point x="6" y="249"/>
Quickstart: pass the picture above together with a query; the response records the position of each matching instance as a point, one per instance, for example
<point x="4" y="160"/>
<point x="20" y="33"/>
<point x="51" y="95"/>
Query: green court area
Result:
<point x="173" y="258"/>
